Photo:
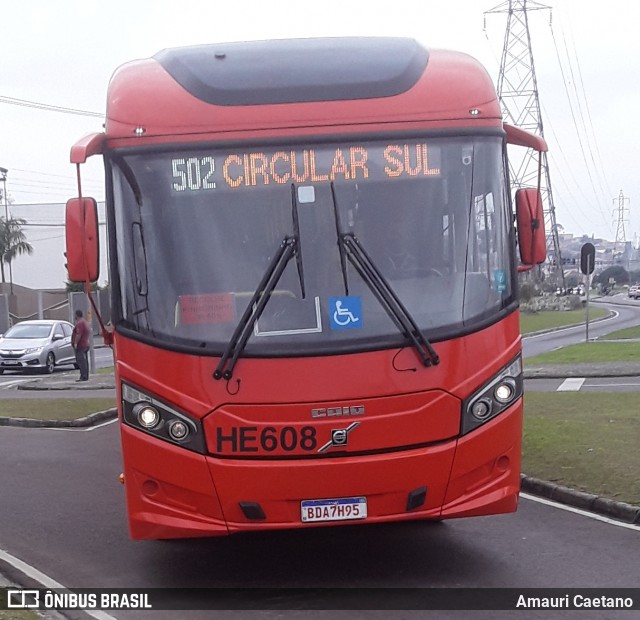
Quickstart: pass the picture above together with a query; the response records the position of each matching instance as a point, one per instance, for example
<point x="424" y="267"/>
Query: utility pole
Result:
<point x="619" y="244"/>
<point x="518" y="93"/>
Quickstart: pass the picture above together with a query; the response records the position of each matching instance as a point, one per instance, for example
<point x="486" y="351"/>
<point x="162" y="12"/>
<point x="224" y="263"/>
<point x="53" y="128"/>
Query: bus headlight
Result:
<point x="155" y="417"/>
<point x="147" y="416"/>
<point x="505" y="390"/>
<point x="493" y="397"/>
<point x="481" y="409"/>
<point x="178" y="430"/>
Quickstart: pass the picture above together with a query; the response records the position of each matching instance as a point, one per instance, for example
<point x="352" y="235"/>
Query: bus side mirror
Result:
<point x="531" y="236"/>
<point x="83" y="252"/>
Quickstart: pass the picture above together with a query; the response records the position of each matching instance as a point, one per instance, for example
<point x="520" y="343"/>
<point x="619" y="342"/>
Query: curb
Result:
<point x="92" y="419"/>
<point x="628" y="513"/>
<point x="64" y="381"/>
<point x="36" y="387"/>
<point x="567" y="371"/>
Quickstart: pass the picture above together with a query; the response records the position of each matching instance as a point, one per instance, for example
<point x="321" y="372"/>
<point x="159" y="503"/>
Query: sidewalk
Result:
<point x="564" y="371"/>
<point x="68" y="381"/>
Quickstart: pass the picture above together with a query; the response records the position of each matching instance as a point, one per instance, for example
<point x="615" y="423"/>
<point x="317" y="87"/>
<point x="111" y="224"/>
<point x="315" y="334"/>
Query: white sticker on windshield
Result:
<point x="306" y="193"/>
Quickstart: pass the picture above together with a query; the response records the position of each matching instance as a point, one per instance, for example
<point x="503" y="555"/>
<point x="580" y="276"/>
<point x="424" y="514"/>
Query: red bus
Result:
<point x="314" y="285"/>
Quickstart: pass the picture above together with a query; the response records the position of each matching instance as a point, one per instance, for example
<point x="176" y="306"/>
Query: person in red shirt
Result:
<point x="80" y="343"/>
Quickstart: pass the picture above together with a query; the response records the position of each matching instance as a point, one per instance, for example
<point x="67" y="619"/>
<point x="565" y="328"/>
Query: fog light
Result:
<point x="148" y="417"/>
<point x="505" y="391"/>
<point x="178" y="430"/>
<point x="481" y="409"/>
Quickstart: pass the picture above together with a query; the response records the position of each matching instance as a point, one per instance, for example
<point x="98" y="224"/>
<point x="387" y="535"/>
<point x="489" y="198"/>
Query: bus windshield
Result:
<point x="196" y="228"/>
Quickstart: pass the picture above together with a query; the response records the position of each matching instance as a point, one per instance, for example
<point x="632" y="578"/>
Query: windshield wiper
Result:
<point x="252" y="313"/>
<point x="351" y="249"/>
<point x="296" y="234"/>
<point x="343" y="257"/>
<point x="289" y="248"/>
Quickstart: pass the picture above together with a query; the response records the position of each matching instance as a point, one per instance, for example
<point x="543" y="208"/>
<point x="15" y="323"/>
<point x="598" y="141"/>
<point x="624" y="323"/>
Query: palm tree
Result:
<point x="13" y="242"/>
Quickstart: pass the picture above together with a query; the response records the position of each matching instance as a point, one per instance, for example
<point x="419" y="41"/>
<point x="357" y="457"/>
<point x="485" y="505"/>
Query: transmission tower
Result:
<point x="518" y="92"/>
<point x="620" y="211"/>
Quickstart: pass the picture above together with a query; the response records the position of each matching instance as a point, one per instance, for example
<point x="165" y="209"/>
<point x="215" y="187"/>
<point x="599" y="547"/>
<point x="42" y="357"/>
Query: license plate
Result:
<point x="340" y="509"/>
<point x="11" y="363"/>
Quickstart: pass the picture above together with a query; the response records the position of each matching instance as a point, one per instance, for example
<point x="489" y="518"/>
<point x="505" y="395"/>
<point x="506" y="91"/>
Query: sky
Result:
<point x="63" y="53"/>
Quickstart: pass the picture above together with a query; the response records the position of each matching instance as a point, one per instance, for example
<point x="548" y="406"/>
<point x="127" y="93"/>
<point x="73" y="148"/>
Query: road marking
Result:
<point x="46" y="581"/>
<point x="6" y="385"/>
<point x="75" y="429"/>
<point x="584" y="513"/>
<point x="93" y="428"/>
<point x="571" y="385"/>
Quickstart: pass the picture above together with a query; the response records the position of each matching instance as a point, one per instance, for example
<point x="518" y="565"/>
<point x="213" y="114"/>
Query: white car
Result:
<point x="634" y="291"/>
<point x="41" y="345"/>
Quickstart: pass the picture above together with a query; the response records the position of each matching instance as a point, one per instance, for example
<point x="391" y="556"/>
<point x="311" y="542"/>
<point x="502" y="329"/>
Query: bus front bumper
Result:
<point x="174" y="493"/>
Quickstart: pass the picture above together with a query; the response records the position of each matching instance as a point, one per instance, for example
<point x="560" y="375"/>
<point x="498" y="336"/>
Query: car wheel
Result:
<point x="51" y="364"/>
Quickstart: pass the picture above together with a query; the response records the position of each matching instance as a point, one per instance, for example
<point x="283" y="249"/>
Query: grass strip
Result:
<point x="18" y="614"/>
<point x="548" y="319"/>
<point x="105" y="371"/>
<point x="623" y="334"/>
<point x="54" y="408"/>
<point x="584" y="440"/>
<point x="590" y="352"/>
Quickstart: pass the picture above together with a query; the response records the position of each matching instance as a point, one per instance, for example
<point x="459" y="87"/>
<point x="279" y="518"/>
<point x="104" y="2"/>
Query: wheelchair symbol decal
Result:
<point x="345" y="312"/>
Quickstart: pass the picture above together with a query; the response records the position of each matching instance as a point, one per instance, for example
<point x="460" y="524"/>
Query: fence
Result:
<point x="27" y="304"/>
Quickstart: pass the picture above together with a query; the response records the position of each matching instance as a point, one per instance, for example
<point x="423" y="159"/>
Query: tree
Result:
<point x="13" y="242"/>
<point x="618" y="273"/>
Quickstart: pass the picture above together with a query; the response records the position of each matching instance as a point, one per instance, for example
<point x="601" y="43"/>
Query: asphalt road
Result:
<point x="625" y="314"/>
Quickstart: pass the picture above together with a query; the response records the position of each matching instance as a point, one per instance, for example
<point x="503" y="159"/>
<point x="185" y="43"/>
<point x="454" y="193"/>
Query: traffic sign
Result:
<point x="587" y="259"/>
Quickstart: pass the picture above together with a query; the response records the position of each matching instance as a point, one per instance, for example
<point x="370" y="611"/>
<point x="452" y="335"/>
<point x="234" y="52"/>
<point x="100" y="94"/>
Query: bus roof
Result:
<point x="296" y="70"/>
<point x="297" y="84"/>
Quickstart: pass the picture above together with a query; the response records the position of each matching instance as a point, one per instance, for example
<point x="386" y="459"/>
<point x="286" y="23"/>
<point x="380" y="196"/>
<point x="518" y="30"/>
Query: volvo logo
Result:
<point x="337" y="412"/>
<point x="339" y="437"/>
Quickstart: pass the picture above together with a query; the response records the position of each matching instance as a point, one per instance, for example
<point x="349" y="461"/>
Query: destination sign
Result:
<point x="261" y="168"/>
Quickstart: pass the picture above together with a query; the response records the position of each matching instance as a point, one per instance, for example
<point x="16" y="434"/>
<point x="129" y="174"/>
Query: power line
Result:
<point x="35" y="182"/>
<point x="45" y="183"/>
<point x="573" y="111"/>
<point x="588" y="110"/>
<point x="50" y="224"/>
<point x="25" y="103"/>
<point x="45" y="174"/>
<point x="46" y="239"/>
<point x="47" y="204"/>
<point x="569" y="168"/>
